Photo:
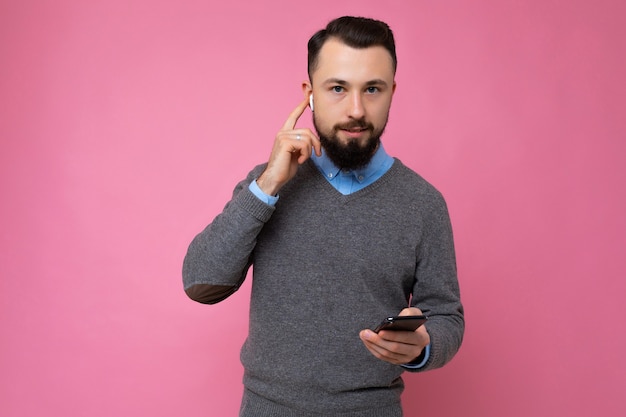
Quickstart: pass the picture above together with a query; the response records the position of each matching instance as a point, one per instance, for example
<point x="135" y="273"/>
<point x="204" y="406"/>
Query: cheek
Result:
<point x="323" y="119"/>
<point x="380" y="113"/>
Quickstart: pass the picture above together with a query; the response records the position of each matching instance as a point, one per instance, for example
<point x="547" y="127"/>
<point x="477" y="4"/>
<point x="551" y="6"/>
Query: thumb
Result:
<point x="411" y="311"/>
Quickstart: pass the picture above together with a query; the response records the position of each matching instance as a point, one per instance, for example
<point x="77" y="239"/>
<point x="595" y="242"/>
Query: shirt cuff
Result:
<point x="267" y="199"/>
<point x="421" y="363"/>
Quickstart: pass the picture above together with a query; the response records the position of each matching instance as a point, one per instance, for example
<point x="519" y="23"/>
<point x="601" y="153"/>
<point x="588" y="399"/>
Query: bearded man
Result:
<point x="340" y="235"/>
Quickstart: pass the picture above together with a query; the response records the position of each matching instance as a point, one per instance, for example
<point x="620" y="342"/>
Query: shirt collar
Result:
<point x="381" y="160"/>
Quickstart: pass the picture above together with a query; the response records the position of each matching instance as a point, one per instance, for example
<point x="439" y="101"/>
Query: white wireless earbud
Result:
<point x="311" y="102"/>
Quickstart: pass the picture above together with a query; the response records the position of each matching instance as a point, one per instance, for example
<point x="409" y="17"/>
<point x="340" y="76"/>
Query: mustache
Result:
<point x="355" y="124"/>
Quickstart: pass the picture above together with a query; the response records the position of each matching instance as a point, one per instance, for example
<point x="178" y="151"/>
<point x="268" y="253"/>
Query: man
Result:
<point x="340" y="235"/>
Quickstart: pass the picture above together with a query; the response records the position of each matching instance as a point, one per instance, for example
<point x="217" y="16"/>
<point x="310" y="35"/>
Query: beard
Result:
<point x="352" y="154"/>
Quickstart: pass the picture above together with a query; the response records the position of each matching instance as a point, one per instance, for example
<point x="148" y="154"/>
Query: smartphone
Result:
<point x="406" y="323"/>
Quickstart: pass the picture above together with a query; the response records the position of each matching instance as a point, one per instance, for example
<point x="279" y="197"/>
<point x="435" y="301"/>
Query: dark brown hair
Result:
<point x="356" y="32"/>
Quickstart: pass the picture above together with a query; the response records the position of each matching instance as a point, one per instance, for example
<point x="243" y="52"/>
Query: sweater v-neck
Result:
<point x="325" y="186"/>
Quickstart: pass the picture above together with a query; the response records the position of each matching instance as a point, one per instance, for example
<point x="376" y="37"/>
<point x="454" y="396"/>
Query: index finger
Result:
<point x="290" y="124"/>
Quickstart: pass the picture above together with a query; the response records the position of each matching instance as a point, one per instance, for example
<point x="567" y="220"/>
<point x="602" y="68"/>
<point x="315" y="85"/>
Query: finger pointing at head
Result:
<point x="295" y="115"/>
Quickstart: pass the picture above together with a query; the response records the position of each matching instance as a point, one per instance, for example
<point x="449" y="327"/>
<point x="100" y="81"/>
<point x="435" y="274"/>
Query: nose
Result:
<point x="356" y="110"/>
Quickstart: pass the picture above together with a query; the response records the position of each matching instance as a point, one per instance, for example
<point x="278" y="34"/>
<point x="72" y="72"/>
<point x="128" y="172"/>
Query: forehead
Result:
<point x="355" y="65"/>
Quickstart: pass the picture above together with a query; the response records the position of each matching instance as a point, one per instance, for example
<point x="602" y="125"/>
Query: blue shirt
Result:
<point x="347" y="182"/>
<point x="350" y="181"/>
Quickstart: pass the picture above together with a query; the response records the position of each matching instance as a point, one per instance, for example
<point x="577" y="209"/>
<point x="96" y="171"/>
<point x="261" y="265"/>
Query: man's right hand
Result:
<point x="292" y="147"/>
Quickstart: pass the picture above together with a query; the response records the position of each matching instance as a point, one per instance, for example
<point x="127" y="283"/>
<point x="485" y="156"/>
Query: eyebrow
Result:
<point x="341" y="82"/>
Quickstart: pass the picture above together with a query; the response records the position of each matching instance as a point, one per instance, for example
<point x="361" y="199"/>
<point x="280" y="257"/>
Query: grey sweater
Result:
<point x="325" y="266"/>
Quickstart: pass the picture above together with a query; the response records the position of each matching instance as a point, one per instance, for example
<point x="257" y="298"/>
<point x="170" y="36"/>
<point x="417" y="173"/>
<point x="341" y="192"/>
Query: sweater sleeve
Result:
<point x="436" y="290"/>
<point x="219" y="257"/>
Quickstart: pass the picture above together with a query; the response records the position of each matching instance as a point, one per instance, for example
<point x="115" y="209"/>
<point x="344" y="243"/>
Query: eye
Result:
<point x="338" y="89"/>
<point x="372" y="90"/>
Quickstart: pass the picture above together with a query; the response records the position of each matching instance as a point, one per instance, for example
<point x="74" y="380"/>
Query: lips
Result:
<point x="354" y="133"/>
<point x="355" y="128"/>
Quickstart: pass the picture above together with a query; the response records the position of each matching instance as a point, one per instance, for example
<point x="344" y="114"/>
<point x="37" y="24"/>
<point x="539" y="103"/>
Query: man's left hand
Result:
<point x="394" y="346"/>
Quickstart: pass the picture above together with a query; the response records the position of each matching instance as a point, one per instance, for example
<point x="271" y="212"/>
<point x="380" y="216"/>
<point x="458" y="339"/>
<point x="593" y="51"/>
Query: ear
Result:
<point x="393" y="91"/>
<point x="307" y="89"/>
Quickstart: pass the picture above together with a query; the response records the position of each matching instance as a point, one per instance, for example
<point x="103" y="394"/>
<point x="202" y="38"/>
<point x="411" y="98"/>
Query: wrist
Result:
<point x="268" y="186"/>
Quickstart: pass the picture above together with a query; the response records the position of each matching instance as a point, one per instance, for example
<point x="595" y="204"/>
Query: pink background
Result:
<point x="124" y="125"/>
